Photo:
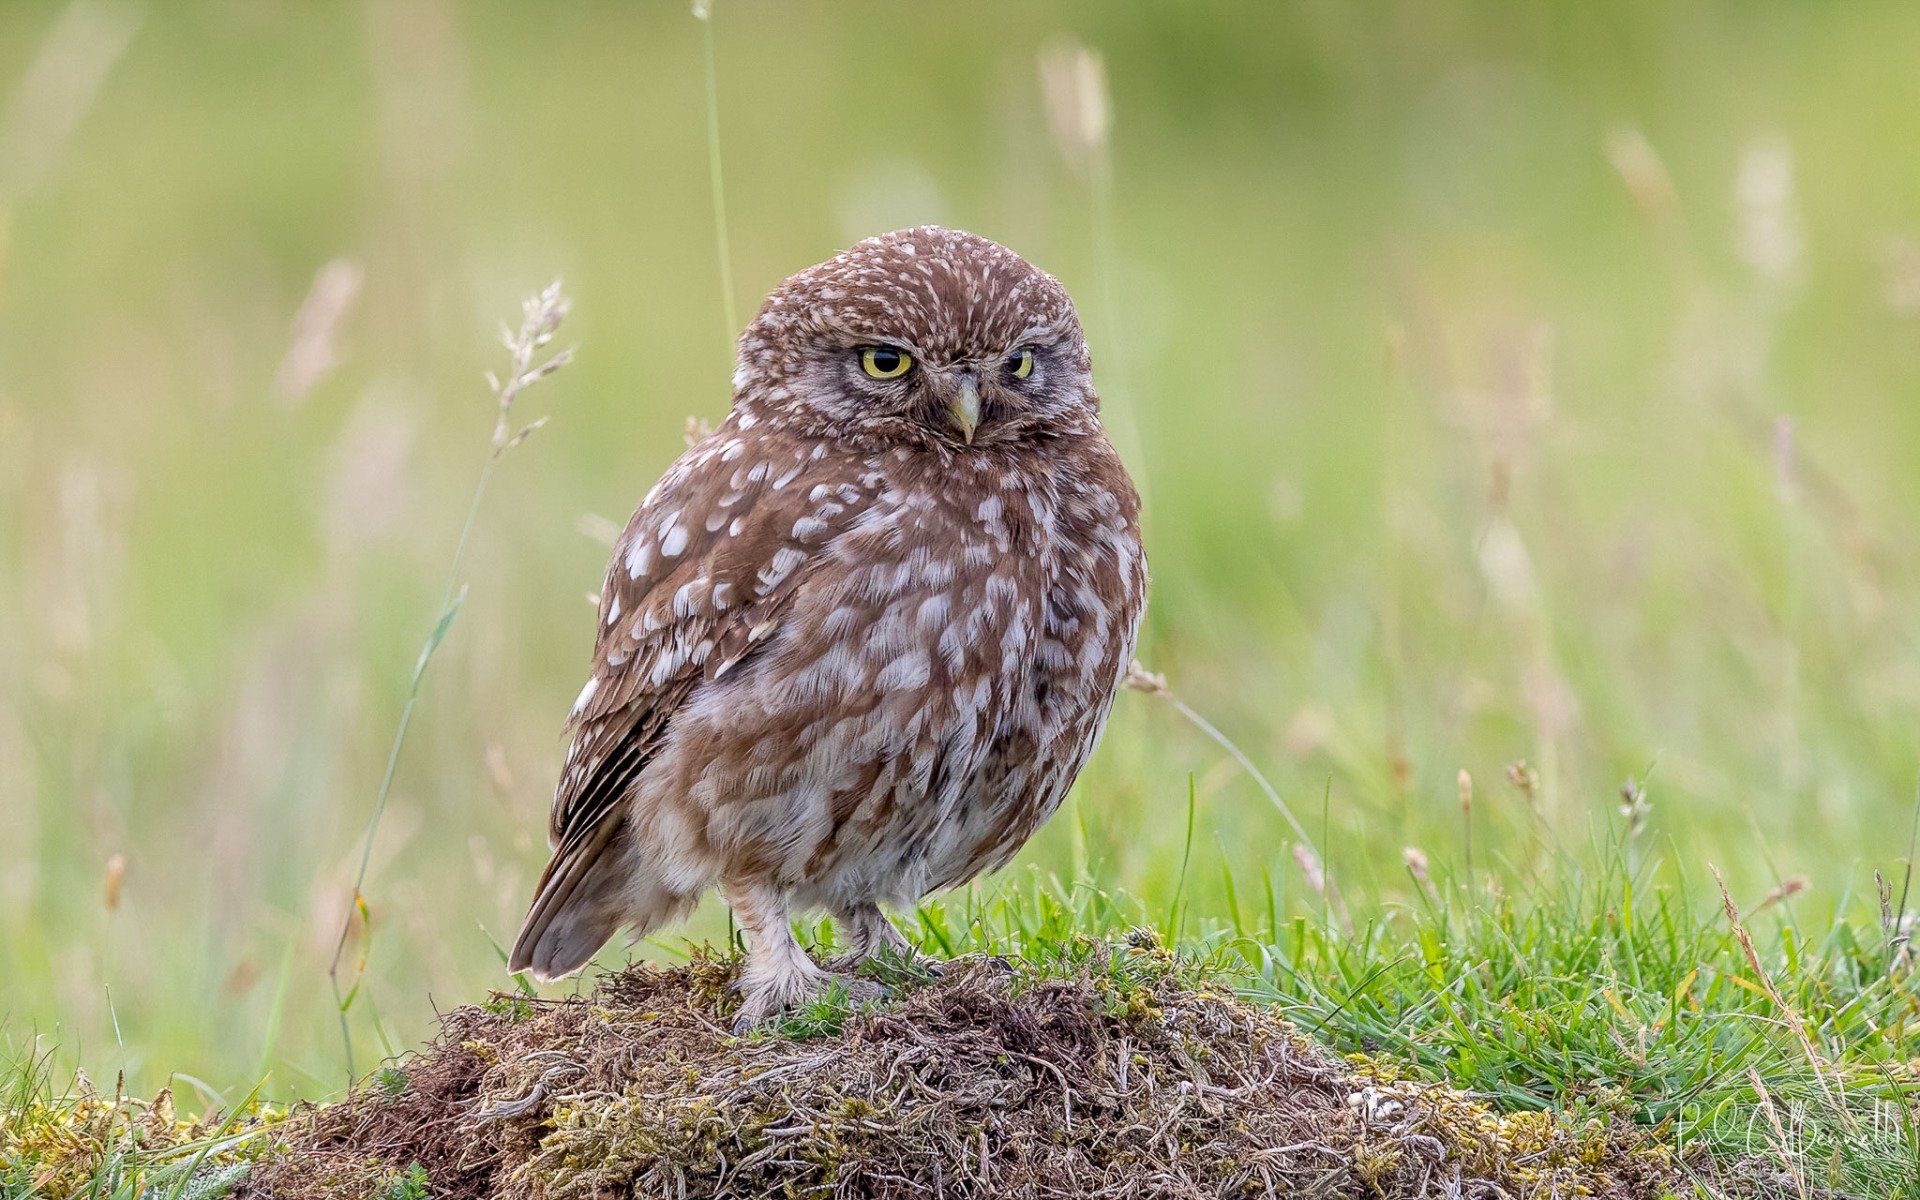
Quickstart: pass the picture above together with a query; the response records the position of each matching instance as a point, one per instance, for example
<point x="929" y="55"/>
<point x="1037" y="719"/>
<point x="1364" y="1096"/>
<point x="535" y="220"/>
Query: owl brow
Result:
<point x="850" y="338"/>
<point x="1037" y="336"/>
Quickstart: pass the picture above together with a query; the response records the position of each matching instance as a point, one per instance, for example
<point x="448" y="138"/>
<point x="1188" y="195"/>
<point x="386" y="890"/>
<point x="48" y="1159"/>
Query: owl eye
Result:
<point x="1020" y="365"/>
<point x="885" y="362"/>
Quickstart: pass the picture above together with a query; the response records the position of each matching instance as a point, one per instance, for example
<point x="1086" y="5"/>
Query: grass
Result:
<point x="1604" y="994"/>
<point x="1607" y="990"/>
<point x="1600" y="989"/>
<point x="73" y="1141"/>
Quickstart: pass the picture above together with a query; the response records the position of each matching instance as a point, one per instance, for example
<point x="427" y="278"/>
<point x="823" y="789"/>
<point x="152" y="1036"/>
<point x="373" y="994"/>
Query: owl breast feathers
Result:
<point x="855" y="645"/>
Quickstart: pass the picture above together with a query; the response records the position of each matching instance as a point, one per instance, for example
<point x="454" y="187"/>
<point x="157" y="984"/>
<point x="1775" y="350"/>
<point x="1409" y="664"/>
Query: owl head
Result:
<point x="924" y="336"/>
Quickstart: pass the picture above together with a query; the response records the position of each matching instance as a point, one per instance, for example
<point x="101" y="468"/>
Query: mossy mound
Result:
<point x="1114" y="1072"/>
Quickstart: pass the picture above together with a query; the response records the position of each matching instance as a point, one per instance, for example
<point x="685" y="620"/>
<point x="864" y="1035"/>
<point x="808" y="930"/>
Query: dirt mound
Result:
<point x="1115" y="1072"/>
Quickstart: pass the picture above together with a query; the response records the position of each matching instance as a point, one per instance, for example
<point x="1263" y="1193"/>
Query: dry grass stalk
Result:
<point x="1140" y="679"/>
<point x="1415" y="860"/>
<point x="1635" y="808"/>
<point x="1821" y="1067"/>
<point x="61" y="83"/>
<point x="541" y="315"/>
<point x="1073" y="83"/>
<point x="601" y="530"/>
<point x="1785" y="890"/>
<point x="313" y="350"/>
<point x="1769" y="224"/>
<point x="1525" y="779"/>
<point x="116" y="875"/>
<point x="1314" y="871"/>
<point x="1781" y="1146"/>
<point x="1644" y="174"/>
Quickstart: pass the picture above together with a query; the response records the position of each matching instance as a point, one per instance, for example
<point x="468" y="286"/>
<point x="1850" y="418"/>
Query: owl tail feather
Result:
<point x="576" y="907"/>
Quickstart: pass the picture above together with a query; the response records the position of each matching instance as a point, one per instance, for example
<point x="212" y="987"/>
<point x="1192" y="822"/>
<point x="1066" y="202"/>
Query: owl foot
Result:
<point x="771" y="1000"/>
<point x="766" y="998"/>
<point x="872" y="938"/>
<point x="778" y="975"/>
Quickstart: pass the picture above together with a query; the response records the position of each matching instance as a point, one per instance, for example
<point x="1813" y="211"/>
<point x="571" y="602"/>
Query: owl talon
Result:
<point x="764" y="1003"/>
<point x="769" y="1002"/>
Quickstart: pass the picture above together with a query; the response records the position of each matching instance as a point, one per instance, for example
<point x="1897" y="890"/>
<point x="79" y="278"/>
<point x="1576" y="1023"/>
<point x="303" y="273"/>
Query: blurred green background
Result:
<point x="1510" y="383"/>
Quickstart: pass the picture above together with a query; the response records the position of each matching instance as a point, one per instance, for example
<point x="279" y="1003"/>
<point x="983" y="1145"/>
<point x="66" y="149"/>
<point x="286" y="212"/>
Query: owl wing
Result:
<point x="698" y="582"/>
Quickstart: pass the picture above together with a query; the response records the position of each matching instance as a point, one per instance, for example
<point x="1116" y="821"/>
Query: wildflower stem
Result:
<point x="542" y="315"/>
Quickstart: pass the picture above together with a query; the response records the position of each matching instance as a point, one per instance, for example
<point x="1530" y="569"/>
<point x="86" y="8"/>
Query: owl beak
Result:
<point x="965" y="409"/>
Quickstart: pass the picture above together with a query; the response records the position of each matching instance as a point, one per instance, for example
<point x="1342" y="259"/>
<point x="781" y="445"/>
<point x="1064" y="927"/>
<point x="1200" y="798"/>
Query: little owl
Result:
<point x="856" y="643"/>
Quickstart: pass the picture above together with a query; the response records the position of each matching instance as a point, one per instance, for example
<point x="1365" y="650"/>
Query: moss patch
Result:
<point x="1115" y="1071"/>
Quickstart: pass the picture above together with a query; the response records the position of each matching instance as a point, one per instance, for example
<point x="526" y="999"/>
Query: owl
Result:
<point x="854" y="645"/>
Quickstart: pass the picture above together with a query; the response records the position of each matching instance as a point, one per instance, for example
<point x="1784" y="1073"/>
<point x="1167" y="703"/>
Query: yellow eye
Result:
<point x="885" y="362"/>
<point x="1022" y="364"/>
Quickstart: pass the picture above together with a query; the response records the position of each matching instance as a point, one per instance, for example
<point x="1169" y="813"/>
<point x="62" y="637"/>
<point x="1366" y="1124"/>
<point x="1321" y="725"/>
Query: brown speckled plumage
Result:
<point x="853" y="648"/>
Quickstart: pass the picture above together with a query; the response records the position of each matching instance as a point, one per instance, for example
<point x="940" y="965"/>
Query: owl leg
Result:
<point x="778" y="974"/>
<point x="869" y="934"/>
